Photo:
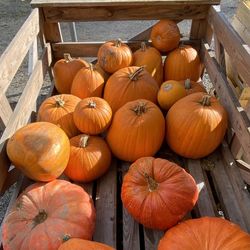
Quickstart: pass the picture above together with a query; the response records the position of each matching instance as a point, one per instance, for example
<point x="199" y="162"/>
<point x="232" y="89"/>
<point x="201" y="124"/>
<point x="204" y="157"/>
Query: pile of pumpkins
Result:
<point x="117" y="106"/>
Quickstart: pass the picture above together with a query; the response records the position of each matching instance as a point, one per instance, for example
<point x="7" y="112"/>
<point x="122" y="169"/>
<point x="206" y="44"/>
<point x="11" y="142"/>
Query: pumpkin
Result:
<point x="196" y="125"/>
<point x="129" y="84"/>
<point x="169" y="93"/>
<point x="104" y="74"/>
<point x="137" y="130"/>
<point x="58" y="109"/>
<point x="88" y="82"/>
<point x="40" y="150"/>
<point x="165" y="35"/>
<point x="206" y="233"/>
<point x="92" y="115"/>
<point x="114" y="55"/>
<point x="80" y="244"/>
<point x="182" y="63"/>
<point x="90" y="158"/>
<point x="158" y="193"/>
<point x="45" y="214"/>
<point x="151" y="59"/>
<point x="64" y="72"/>
<point x="192" y="87"/>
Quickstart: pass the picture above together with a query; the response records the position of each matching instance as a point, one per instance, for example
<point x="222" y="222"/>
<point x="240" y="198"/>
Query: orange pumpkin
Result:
<point x="59" y="110"/>
<point x="44" y="214"/>
<point x="207" y="233"/>
<point x="114" y="55"/>
<point x="196" y="125"/>
<point x="90" y="158"/>
<point x="104" y="74"/>
<point x="192" y="87"/>
<point x="182" y="63"/>
<point x="151" y="59"/>
<point x="65" y="71"/>
<point x="165" y="35"/>
<point x="40" y="150"/>
<point x="80" y="244"/>
<point x="137" y="130"/>
<point x="88" y="82"/>
<point x="92" y="115"/>
<point x="129" y="84"/>
<point x="158" y="193"/>
<point x="169" y="93"/>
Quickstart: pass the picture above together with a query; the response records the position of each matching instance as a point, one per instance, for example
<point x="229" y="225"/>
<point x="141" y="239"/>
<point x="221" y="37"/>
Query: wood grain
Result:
<point x="5" y="111"/>
<point x="152" y="238"/>
<point x="198" y="29"/>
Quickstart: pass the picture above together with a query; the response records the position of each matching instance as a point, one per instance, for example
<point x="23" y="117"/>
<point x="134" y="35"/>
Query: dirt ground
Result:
<point x="14" y="13"/>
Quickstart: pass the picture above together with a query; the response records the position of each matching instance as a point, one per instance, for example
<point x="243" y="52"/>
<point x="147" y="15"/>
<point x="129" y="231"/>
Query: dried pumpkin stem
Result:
<point x="118" y="42"/>
<point x="40" y="217"/>
<point x="152" y="184"/>
<point x="135" y="76"/>
<point x="67" y="57"/>
<point x="187" y="84"/>
<point x="91" y="66"/>
<point x="140" y="108"/>
<point x="143" y="46"/>
<point x="205" y="101"/>
<point x="84" y="141"/>
<point x="59" y="102"/>
<point x="92" y="104"/>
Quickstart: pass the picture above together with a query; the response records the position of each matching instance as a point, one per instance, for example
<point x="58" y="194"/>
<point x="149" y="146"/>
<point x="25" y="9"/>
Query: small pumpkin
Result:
<point x="92" y="115"/>
<point x="206" y="233"/>
<point x="45" y="214"/>
<point x="90" y="158"/>
<point x="165" y="35"/>
<point x="158" y="193"/>
<point x="169" y="93"/>
<point x="80" y="244"/>
<point x="149" y="57"/>
<point x="137" y="130"/>
<point x="88" y="82"/>
<point x="40" y="150"/>
<point x="196" y="125"/>
<point x="129" y="84"/>
<point x="183" y="63"/>
<point x="114" y="55"/>
<point x="58" y="109"/>
<point x="64" y="72"/>
<point x="193" y="87"/>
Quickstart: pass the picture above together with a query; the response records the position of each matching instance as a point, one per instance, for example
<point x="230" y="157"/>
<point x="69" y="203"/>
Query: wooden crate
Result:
<point x="223" y="191"/>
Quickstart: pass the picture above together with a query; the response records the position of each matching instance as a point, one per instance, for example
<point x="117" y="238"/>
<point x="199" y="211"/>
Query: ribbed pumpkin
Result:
<point x="88" y="82"/>
<point x="65" y="71"/>
<point x="183" y="63"/>
<point x="129" y="84"/>
<point x="169" y="93"/>
<point x="149" y="57"/>
<point x="207" y="233"/>
<point x="114" y="55"/>
<point x="192" y="87"/>
<point x="90" y="158"/>
<point x="44" y="214"/>
<point x="80" y="244"/>
<point x="58" y="109"/>
<point x="104" y="74"/>
<point x="158" y="193"/>
<point x="137" y="130"/>
<point x="92" y="115"/>
<point x="165" y="35"/>
<point x="196" y="125"/>
<point x="40" y="150"/>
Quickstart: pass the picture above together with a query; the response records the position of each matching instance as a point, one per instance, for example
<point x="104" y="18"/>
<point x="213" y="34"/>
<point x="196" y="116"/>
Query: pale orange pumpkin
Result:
<point x="45" y="214"/>
<point x="192" y="87"/>
<point x="65" y="71"/>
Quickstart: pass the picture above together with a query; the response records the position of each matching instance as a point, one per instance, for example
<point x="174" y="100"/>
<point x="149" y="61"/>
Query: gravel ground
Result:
<point x="14" y="13"/>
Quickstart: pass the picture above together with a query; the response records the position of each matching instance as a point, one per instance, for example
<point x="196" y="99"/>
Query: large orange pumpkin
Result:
<point x="90" y="158"/>
<point x="207" y="233"/>
<point x="137" y="130"/>
<point x="129" y="84"/>
<point x="114" y="55"/>
<point x="196" y="125"/>
<point x="183" y="63"/>
<point x="92" y="115"/>
<point x="165" y="35"/>
<point x="158" y="193"/>
<point x="58" y="109"/>
<point x="44" y="214"/>
<point x="88" y="82"/>
<point x="40" y="150"/>
<point x="193" y="87"/>
<point x="65" y="71"/>
<point x="149" y="57"/>
<point x="80" y="244"/>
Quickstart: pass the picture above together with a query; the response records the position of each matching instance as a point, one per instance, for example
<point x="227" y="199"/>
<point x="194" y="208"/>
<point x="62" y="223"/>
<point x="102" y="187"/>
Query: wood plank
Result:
<point x="17" y="50"/>
<point x="5" y="111"/>
<point x="237" y="116"/>
<point x="198" y="29"/>
<point x="242" y="13"/>
<point x="33" y="56"/>
<point x="106" y="204"/>
<point x="220" y="54"/>
<point x="152" y="238"/>
<point x="52" y="32"/>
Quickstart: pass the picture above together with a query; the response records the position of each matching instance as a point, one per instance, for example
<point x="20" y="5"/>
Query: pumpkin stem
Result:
<point x="40" y="217"/>
<point x="187" y="84"/>
<point x="118" y="42"/>
<point x="59" y="102"/>
<point x="152" y="184"/>
<point x="67" y="57"/>
<point x="140" y="108"/>
<point x="205" y="101"/>
<point x="84" y="141"/>
<point x="135" y="76"/>
<point x="91" y="104"/>
<point x="143" y="46"/>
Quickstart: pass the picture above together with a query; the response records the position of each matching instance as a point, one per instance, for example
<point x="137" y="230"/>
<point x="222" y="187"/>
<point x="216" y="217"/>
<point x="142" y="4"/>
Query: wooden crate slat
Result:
<point x="198" y="29"/>
<point x="53" y="32"/>
<point x="5" y="111"/>
<point x="106" y="204"/>
<point x="152" y="238"/>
